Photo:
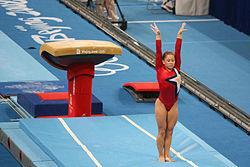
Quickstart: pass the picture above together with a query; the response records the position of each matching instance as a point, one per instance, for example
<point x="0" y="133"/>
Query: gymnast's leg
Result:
<point x="161" y="117"/>
<point x="171" y="122"/>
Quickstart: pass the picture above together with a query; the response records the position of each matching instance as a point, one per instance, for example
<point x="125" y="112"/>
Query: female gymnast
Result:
<point x="169" y="79"/>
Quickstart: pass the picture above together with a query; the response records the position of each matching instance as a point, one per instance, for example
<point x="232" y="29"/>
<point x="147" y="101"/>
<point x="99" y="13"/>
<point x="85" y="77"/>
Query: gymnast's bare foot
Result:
<point x="169" y="159"/>
<point x="161" y="159"/>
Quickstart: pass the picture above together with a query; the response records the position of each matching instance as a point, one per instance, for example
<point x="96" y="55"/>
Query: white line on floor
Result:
<point x="79" y="142"/>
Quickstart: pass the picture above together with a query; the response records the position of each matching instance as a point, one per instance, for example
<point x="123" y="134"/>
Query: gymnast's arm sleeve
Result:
<point x="158" y="63"/>
<point x="178" y="53"/>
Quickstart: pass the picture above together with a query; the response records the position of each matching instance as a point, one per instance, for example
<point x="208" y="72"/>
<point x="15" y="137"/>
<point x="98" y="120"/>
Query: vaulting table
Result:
<point x="78" y="57"/>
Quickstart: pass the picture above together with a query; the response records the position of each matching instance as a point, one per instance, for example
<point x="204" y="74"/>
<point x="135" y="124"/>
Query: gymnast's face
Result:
<point x="169" y="61"/>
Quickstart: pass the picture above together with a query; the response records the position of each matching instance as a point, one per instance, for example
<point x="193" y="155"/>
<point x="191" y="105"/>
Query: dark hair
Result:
<point x="167" y="53"/>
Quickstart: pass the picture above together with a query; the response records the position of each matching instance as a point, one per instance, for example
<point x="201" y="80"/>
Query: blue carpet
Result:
<point x="7" y="113"/>
<point x="7" y="160"/>
<point x="193" y="114"/>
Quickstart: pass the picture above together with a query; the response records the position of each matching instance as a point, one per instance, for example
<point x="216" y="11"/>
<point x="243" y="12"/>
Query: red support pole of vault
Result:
<point x="80" y="89"/>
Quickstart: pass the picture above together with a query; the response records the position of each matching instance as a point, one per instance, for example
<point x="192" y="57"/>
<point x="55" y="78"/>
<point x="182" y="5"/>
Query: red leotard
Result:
<point x="169" y="88"/>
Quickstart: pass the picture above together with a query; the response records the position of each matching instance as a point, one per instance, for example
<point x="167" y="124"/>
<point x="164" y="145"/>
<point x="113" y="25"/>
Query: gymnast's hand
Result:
<point x="181" y="30"/>
<point x="155" y="29"/>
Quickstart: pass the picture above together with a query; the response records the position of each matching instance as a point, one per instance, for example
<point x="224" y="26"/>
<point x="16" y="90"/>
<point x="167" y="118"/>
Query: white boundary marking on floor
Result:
<point x="153" y="137"/>
<point x="79" y="142"/>
<point x="172" y="21"/>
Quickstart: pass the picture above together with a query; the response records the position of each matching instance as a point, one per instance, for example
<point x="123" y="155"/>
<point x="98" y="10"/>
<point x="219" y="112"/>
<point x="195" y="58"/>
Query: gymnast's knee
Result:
<point x="161" y="132"/>
<point x="170" y="132"/>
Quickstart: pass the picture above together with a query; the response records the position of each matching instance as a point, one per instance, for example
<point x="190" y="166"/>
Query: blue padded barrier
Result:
<point x="38" y="107"/>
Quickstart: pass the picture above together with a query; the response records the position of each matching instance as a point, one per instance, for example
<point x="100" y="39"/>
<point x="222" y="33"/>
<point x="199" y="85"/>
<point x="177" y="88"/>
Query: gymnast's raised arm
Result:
<point x="178" y="47"/>
<point x="157" y="32"/>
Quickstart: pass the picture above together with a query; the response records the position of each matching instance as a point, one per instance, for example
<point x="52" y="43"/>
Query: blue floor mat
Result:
<point x="19" y="65"/>
<point x="130" y="144"/>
